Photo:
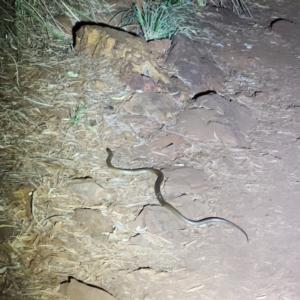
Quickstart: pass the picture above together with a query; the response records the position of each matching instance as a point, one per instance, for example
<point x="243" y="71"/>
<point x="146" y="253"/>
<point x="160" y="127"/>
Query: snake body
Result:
<point x="160" y="198"/>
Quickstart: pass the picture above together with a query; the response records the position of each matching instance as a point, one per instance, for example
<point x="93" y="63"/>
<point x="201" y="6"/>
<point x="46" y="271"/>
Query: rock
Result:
<point x="158" y="106"/>
<point x="90" y="190"/>
<point x="159" y="47"/>
<point x="129" y="56"/>
<point x="215" y="118"/>
<point x="185" y="180"/>
<point x="193" y="68"/>
<point x="77" y="290"/>
<point x="93" y="223"/>
<point x="287" y="29"/>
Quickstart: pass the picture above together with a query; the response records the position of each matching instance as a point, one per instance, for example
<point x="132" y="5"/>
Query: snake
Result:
<point x="160" y="198"/>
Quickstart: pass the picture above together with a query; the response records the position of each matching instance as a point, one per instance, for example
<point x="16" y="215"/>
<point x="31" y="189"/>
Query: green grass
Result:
<point x="201" y="2"/>
<point x="160" y="19"/>
<point x="33" y="23"/>
<point x="77" y="118"/>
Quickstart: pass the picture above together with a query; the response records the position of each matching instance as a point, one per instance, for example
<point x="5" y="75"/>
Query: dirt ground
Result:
<point x="219" y="116"/>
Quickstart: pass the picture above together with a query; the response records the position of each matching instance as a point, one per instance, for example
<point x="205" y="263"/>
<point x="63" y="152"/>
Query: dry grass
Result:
<point x="238" y="6"/>
<point x="42" y="149"/>
<point x="39" y="147"/>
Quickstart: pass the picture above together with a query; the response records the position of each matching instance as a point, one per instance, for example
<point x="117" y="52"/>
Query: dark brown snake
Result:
<point x="160" y="198"/>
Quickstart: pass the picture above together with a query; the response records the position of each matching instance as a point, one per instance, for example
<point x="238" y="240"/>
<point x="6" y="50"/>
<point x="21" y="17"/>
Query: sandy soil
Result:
<point x="230" y="149"/>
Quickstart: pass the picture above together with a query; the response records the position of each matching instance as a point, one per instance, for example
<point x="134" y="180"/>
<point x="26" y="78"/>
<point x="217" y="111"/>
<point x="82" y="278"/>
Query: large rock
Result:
<point x="215" y="118"/>
<point x="128" y="55"/>
<point x="289" y="30"/>
<point x="195" y="69"/>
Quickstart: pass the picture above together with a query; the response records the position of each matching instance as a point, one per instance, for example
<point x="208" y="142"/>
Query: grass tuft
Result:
<point x="77" y="118"/>
<point x="237" y="6"/>
<point x="159" y="19"/>
<point x="34" y="23"/>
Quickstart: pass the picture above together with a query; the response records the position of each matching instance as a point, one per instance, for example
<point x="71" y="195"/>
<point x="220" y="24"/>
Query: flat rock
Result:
<point x="92" y="192"/>
<point x="78" y="290"/>
<point x="157" y="219"/>
<point x="215" y="118"/>
<point x="185" y="180"/>
<point x="167" y="146"/>
<point x="159" y="106"/>
<point x="93" y="223"/>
